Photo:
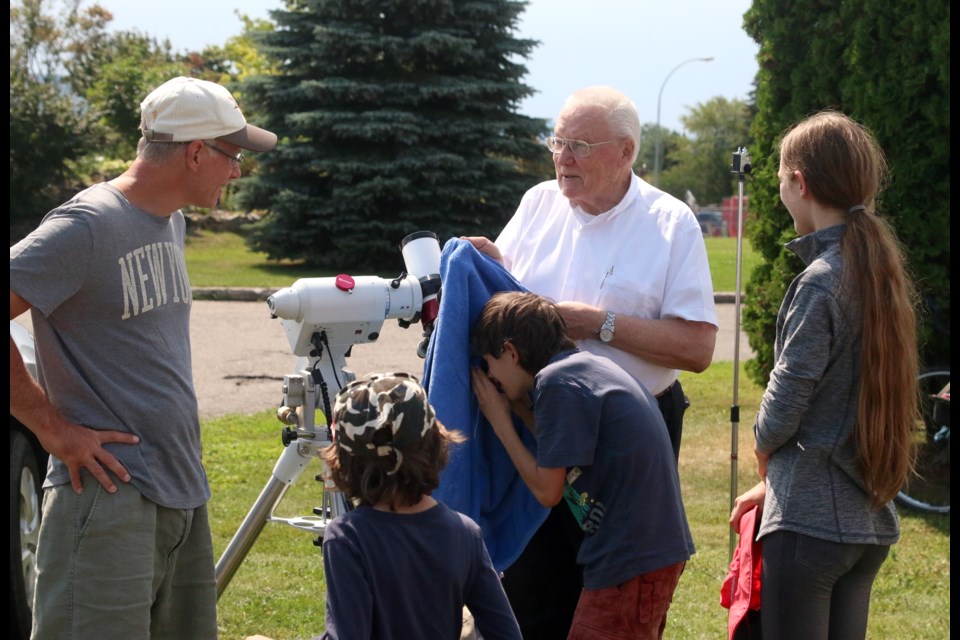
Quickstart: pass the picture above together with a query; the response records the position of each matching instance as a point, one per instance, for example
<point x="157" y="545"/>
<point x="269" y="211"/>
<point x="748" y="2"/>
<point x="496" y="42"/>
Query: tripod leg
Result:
<point x="248" y="532"/>
<point x="288" y="468"/>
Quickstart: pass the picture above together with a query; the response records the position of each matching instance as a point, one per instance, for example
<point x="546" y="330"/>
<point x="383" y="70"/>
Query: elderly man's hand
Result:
<point x="484" y="246"/>
<point x="583" y="320"/>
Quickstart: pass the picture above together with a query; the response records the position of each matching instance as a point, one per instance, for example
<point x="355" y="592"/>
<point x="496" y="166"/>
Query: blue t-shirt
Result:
<point x="392" y="575"/>
<point x="606" y="429"/>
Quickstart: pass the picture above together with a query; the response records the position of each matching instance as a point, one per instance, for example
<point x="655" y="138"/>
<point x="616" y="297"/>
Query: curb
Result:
<point x="238" y="294"/>
<point x="727" y="297"/>
<point x="245" y="294"/>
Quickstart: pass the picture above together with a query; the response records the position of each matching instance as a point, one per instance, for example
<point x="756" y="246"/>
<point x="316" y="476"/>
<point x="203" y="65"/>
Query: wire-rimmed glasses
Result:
<point x="236" y="159"/>
<point x="580" y="148"/>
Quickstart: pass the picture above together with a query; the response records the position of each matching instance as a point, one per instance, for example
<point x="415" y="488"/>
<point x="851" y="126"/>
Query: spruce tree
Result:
<point x="394" y="116"/>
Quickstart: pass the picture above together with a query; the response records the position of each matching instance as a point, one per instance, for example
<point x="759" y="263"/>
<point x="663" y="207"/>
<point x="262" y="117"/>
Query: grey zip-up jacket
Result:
<point x="809" y="408"/>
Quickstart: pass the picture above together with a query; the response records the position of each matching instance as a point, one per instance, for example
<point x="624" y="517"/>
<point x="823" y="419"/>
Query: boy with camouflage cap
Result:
<point x="401" y="565"/>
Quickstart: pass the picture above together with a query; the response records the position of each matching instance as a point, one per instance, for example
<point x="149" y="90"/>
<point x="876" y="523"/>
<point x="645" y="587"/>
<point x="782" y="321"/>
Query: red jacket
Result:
<point x="741" y="587"/>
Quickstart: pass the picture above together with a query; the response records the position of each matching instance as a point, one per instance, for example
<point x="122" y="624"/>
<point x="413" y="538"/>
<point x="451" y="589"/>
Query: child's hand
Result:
<point x="746" y="501"/>
<point x="494" y="405"/>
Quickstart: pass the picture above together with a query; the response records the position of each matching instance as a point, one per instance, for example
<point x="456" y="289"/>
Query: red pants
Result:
<point x="636" y="609"/>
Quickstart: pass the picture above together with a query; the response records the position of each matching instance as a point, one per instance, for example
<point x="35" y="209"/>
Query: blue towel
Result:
<point x="480" y="479"/>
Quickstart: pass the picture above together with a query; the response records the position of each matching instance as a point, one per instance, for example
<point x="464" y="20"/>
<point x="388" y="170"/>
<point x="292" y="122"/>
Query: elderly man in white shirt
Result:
<point x="628" y="267"/>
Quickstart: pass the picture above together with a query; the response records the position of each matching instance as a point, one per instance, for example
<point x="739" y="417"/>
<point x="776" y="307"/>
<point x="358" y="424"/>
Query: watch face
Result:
<point x="606" y="331"/>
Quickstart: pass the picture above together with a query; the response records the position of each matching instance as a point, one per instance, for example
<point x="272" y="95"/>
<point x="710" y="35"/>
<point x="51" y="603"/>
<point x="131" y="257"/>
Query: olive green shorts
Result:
<point x="120" y="566"/>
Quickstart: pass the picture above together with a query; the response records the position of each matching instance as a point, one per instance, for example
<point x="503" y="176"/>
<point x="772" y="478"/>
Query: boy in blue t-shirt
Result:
<point x="602" y="446"/>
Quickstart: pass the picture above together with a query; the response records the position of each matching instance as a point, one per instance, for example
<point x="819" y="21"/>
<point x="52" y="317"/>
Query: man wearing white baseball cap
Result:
<point x="125" y="549"/>
<point x="185" y="109"/>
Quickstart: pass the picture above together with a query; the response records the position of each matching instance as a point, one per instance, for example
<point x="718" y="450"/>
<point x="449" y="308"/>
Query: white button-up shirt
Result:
<point x="643" y="258"/>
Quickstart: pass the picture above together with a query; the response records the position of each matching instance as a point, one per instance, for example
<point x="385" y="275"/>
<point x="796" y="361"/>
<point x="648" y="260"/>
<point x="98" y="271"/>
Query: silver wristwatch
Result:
<point x="606" y="331"/>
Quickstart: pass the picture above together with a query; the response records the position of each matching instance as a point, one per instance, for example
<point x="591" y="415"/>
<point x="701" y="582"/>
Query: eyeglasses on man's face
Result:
<point x="579" y="148"/>
<point x="235" y="159"/>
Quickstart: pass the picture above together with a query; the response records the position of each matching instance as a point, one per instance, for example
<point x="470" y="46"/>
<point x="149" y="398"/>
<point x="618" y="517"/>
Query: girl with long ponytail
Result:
<point x="833" y="433"/>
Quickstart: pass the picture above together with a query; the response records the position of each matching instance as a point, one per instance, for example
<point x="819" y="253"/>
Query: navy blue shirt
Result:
<point x="593" y="418"/>
<point x="408" y="577"/>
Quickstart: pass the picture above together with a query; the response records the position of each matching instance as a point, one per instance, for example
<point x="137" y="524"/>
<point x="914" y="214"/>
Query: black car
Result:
<point x="28" y="467"/>
<point x="711" y="223"/>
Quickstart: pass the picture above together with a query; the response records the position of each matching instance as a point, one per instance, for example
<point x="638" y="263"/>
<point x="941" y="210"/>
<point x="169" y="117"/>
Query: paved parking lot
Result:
<point x="240" y="354"/>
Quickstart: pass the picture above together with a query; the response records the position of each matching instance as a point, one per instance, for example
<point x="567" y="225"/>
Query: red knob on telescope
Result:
<point x="345" y="283"/>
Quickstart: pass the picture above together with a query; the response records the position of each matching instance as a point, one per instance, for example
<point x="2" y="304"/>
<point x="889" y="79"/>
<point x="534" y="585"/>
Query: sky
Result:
<point x="641" y="47"/>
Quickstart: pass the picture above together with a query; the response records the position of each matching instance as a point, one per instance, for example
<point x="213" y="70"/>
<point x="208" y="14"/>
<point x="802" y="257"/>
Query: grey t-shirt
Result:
<point x="111" y="313"/>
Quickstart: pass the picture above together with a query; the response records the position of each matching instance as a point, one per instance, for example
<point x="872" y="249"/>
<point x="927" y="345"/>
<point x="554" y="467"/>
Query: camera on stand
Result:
<point x="741" y="161"/>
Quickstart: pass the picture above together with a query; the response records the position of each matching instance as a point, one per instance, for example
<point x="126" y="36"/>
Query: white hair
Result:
<point x="620" y="111"/>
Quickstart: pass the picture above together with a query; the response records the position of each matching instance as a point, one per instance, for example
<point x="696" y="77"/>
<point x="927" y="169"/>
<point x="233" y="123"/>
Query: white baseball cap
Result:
<point x="185" y="109"/>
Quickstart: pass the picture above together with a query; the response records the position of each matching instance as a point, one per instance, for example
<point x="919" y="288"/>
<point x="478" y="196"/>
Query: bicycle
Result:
<point x="928" y="489"/>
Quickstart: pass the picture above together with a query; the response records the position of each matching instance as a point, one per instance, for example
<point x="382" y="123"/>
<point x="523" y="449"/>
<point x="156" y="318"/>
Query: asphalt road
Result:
<point x="240" y="354"/>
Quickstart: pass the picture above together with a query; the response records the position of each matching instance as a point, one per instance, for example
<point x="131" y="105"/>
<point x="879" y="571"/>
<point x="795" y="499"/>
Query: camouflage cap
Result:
<point x="382" y="414"/>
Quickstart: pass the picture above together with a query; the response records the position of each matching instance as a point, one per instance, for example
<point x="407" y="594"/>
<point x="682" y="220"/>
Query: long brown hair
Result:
<point x="844" y="167"/>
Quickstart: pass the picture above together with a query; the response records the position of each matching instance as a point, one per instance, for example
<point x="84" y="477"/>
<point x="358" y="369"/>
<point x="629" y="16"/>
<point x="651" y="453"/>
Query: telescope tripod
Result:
<point x="302" y="394"/>
<point x="323" y="318"/>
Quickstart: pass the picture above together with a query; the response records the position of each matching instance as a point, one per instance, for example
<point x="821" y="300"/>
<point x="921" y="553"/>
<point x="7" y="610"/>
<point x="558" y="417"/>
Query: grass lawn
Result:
<point x="279" y="589"/>
<point x="722" y="254"/>
<point x="222" y="260"/>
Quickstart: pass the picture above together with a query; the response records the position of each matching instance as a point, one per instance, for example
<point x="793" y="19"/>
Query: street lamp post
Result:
<point x="656" y="153"/>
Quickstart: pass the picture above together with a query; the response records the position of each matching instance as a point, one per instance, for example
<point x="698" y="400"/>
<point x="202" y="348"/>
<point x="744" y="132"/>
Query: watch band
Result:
<point x="607" y="330"/>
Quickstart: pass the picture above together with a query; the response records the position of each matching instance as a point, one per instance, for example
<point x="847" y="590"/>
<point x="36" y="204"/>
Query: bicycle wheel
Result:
<point x="929" y="488"/>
